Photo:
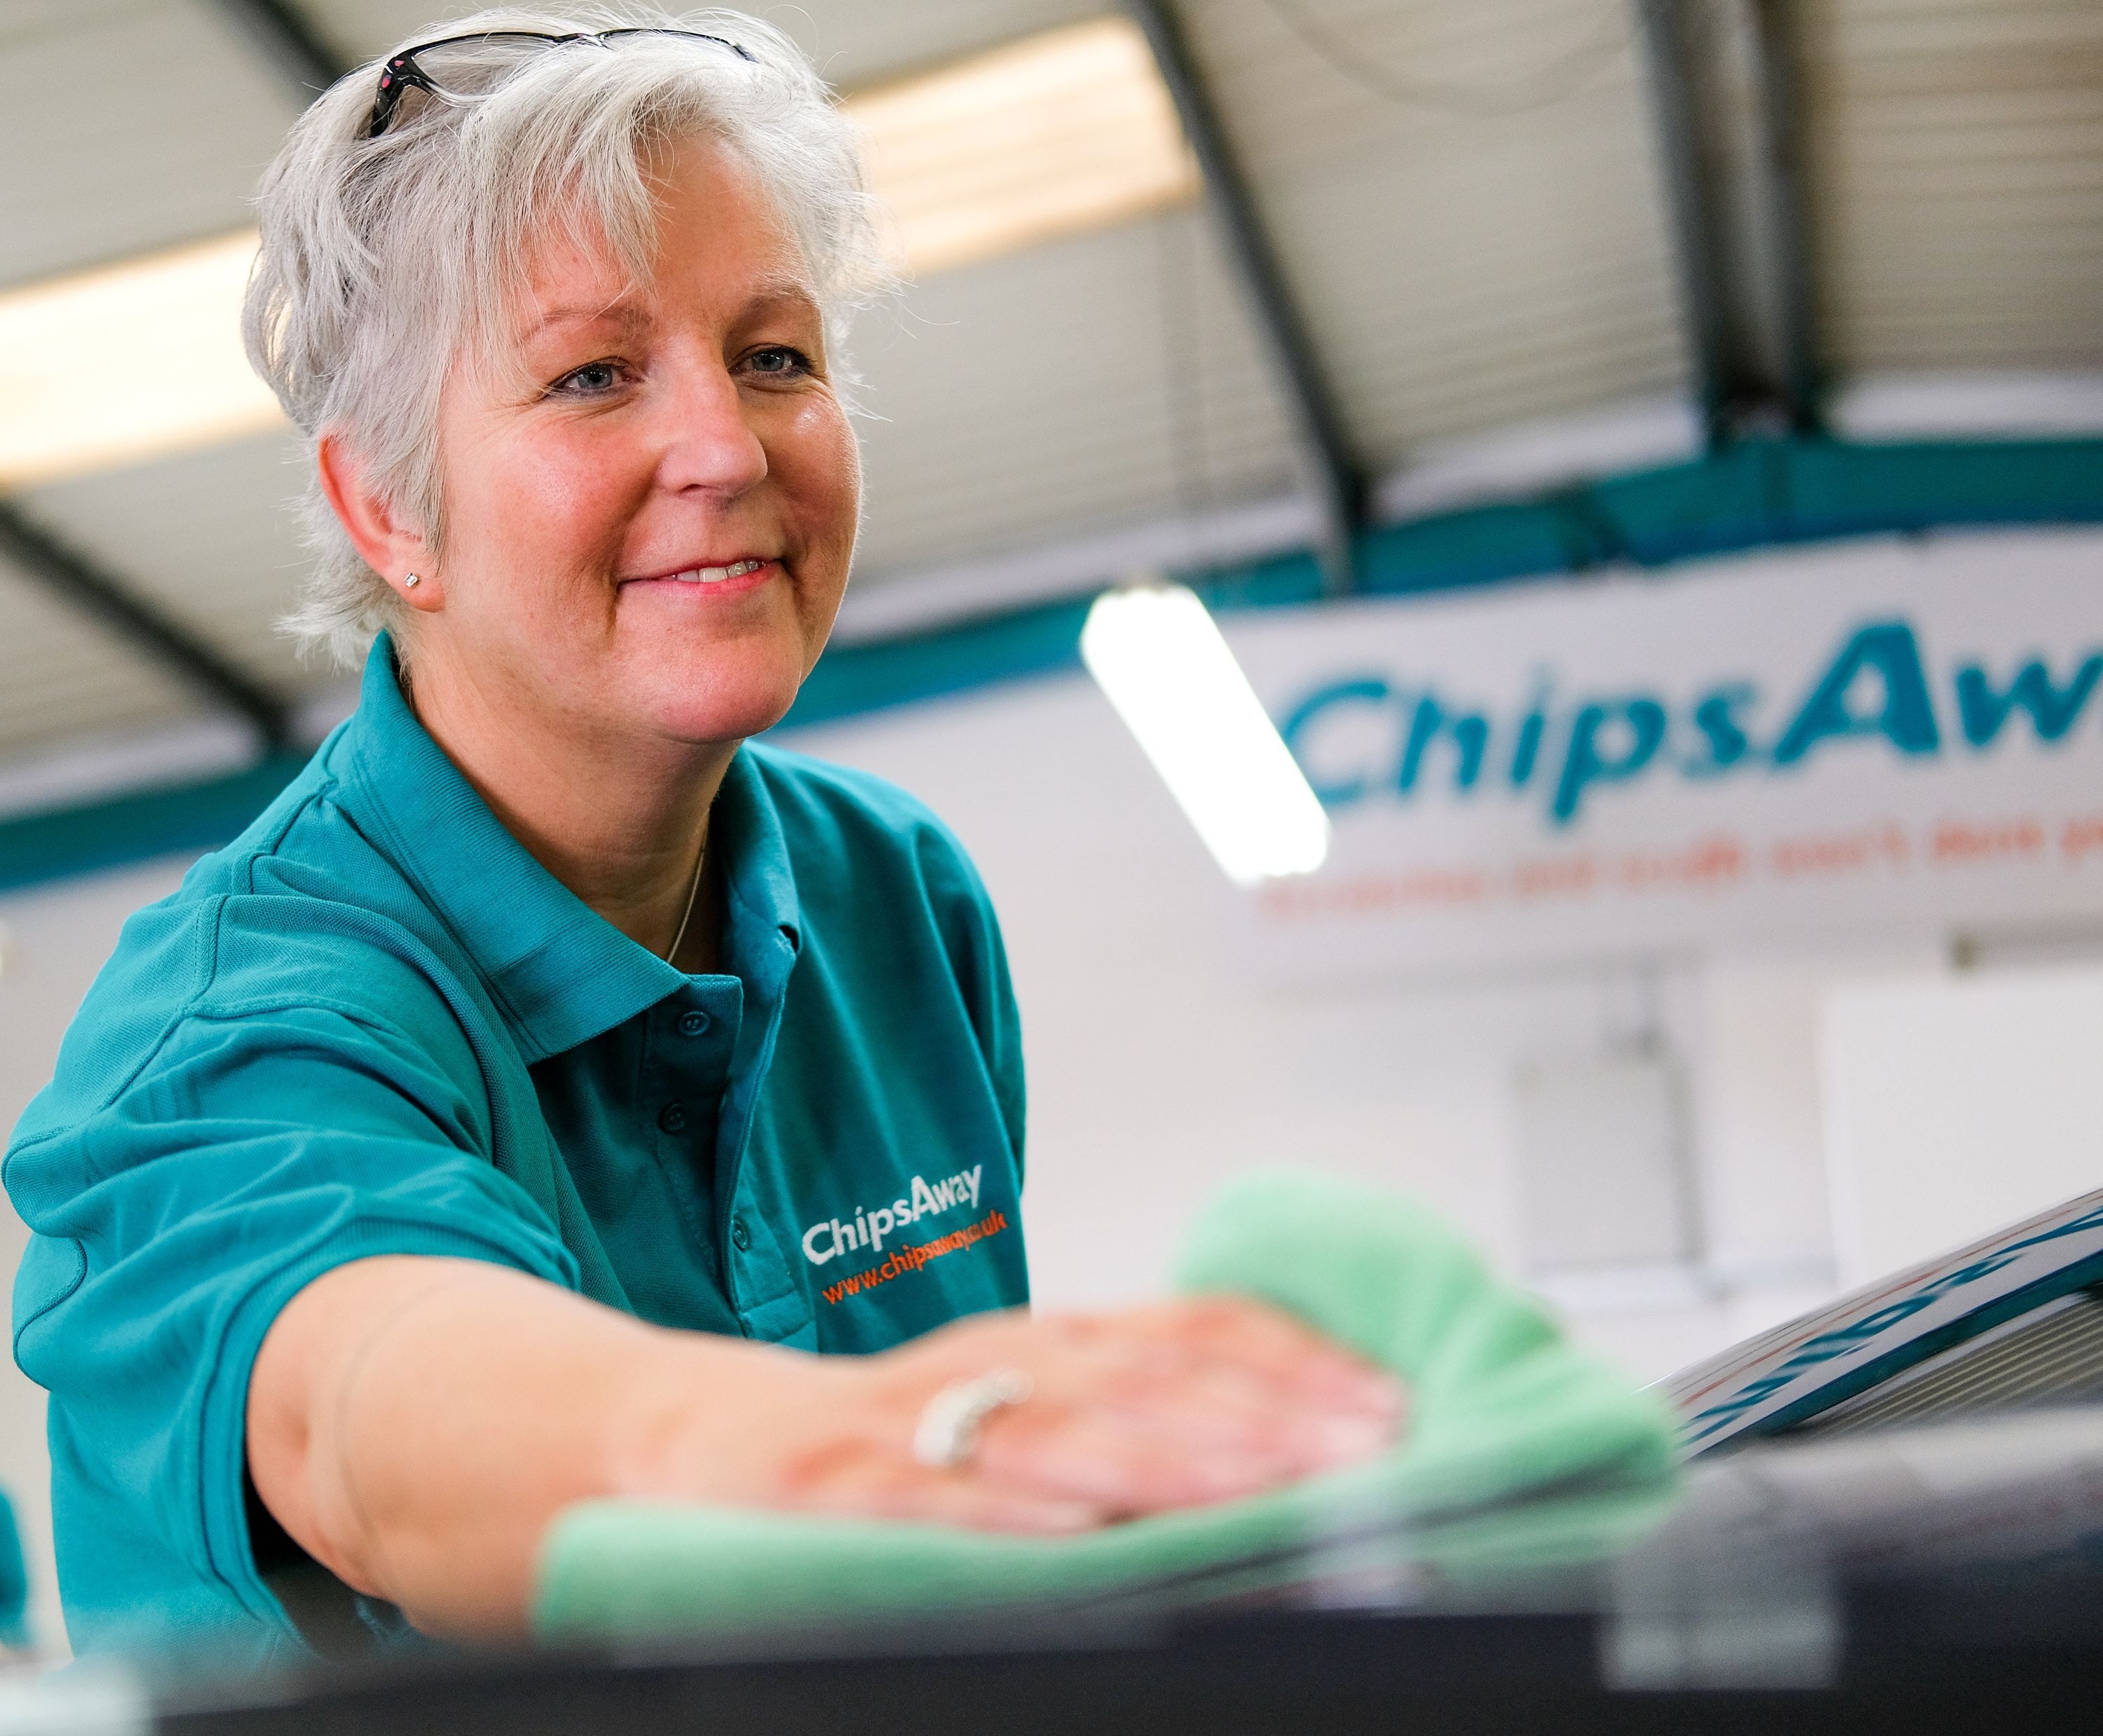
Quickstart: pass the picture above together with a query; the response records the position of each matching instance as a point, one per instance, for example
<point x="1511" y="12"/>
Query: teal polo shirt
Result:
<point x="375" y="1025"/>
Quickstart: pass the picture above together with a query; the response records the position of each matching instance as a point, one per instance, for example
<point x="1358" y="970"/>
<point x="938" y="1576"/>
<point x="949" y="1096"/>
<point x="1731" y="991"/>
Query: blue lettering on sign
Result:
<point x="1725" y="742"/>
<point x="1527" y="754"/>
<point x="1333" y="792"/>
<point x="1875" y="687"/>
<point x="2052" y="711"/>
<point x="1637" y="724"/>
<point x="1905" y="716"/>
<point x="1470" y="734"/>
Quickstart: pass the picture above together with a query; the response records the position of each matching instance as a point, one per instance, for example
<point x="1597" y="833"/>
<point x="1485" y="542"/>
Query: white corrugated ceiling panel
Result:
<point x="1460" y="269"/>
<point x="853" y="41"/>
<point x="1958" y="157"/>
<point x="62" y="676"/>
<point x="205" y="537"/>
<point x="126" y="126"/>
<point x="1088" y="383"/>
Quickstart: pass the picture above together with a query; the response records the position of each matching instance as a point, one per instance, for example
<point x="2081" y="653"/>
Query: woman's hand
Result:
<point x="416" y="1423"/>
<point x="1176" y="1405"/>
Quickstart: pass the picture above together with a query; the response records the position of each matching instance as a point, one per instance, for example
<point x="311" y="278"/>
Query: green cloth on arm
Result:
<point x="1502" y="1407"/>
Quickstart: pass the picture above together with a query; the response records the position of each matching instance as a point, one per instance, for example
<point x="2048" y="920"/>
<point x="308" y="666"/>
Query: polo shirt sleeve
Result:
<point x="198" y="1159"/>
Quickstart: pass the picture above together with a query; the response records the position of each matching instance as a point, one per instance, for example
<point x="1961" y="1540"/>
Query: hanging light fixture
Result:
<point x="1159" y="658"/>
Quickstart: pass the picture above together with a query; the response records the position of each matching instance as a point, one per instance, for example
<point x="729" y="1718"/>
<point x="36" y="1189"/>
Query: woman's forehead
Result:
<point x="573" y="284"/>
<point x="717" y="236"/>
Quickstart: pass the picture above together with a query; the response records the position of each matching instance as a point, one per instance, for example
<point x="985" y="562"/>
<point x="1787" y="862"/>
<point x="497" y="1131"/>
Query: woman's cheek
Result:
<point x="826" y="489"/>
<point x="827" y="463"/>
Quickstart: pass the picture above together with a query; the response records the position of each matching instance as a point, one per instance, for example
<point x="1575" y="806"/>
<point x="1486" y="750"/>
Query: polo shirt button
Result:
<point x="693" y="1024"/>
<point x="738" y="1234"/>
<point x="673" y="1119"/>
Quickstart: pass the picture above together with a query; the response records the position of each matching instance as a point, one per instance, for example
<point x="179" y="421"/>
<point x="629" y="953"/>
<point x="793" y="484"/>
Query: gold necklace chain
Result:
<point x="693" y="892"/>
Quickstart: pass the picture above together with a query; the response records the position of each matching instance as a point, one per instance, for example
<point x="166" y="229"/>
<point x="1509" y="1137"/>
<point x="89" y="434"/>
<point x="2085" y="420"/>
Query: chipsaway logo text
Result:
<point x="836" y="1235"/>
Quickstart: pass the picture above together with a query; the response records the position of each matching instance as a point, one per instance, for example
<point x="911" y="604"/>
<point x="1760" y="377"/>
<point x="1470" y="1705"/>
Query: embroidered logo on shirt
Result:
<point x="868" y="1230"/>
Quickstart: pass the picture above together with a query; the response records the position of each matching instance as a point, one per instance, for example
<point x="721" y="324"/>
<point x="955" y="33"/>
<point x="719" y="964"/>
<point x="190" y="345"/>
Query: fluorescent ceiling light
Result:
<point x="1059" y="133"/>
<point x="1159" y="658"/>
<point x="1064" y="132"/>
<point x="133" y="361"/>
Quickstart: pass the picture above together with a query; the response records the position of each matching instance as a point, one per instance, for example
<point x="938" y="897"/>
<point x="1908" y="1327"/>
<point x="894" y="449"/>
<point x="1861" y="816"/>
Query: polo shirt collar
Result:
<point x="760" y="884"/>
<point x="561" y="973"/>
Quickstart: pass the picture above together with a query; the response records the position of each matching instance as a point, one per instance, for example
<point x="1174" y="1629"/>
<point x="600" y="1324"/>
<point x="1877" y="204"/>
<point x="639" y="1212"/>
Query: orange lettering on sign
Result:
<point x="1717" y="860"/>
<point x="1841" y="852"/>
<point x="2082" y="836"/>
<point x="1957" y="840"/>
<point x="1554" y="876"/>
<point x="1283" y="901"/>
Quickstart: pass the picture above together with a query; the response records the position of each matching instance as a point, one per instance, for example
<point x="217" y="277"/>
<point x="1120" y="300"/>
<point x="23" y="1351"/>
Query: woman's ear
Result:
<point x="392" y="544"/>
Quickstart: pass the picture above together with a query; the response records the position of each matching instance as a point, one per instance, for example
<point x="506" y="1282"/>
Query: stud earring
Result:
<point x="411" y="582"/>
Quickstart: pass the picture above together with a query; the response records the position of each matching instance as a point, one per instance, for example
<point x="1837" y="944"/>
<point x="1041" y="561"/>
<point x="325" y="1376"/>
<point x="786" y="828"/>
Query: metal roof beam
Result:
<point x="85" y="587"/>
<point x="1725" y="96"/>
<point x="1691" y="192"/>
<point x="1323" y="448"/>
<point x="1780" y="168"/>
<point x="288" y="43"/>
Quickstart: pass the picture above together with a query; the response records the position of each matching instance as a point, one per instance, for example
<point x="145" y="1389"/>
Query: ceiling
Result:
<point x="1464" y="195"/>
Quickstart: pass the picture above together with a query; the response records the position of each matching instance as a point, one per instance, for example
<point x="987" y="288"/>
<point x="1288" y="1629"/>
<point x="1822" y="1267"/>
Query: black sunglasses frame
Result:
<point x="402" y="74"/>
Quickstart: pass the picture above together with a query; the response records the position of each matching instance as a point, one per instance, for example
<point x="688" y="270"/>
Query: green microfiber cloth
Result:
<point x="1503" y="1410"/>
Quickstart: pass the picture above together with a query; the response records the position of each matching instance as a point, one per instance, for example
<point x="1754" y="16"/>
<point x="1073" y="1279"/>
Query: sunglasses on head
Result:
<point x="408" y="72"/>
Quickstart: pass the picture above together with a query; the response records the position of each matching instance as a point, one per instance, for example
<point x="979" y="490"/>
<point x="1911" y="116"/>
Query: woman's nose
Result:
<point x="709" y="443"/>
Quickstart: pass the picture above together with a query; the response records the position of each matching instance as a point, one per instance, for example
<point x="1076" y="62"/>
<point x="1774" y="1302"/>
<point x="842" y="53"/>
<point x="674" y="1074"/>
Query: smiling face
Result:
<point x="651" y="504"/>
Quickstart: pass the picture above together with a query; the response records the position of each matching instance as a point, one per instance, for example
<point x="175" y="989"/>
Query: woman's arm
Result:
<point x="414" y="1423"/>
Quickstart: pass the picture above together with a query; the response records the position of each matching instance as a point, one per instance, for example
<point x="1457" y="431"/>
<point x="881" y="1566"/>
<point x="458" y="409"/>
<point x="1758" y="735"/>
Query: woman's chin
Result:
<point x="739" y="681"/>
<point x="725" y="705"/>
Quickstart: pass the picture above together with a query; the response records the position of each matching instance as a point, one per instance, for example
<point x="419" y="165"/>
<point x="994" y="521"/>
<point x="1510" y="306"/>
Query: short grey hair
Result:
<point x="385" y="260"/>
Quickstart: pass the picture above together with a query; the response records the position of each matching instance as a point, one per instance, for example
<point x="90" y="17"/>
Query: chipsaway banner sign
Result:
<point x="1866" y="741"/>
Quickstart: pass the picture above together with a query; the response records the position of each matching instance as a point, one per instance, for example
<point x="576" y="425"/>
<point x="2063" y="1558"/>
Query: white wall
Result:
<point x="1956" y="1105"/>
<point x="1157" y="1066"/>
<point x="52" y="941"/>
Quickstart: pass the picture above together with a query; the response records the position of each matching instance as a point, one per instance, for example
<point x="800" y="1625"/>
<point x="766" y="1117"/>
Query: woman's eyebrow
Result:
<point x="775" y="292"/>
<point x="623" y="313"/>
<point x="767" y="296"/>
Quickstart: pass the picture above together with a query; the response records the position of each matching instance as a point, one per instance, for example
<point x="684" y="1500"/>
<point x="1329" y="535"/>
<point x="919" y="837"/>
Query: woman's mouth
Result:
<point x="718" y="575"/>
<point x="752" y="572"/>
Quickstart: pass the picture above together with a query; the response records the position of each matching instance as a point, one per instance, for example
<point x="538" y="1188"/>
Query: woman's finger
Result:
<point x="1250" y="1336"/>
<point x="1182" y="1446"/>
<point x="1119" y="1467"/>
<point x="1231" y="1364"/>
<point x="1212" y="1410"/>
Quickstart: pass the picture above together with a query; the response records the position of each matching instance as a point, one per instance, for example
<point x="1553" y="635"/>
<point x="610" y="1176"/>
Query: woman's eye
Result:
<point x="778" y="361"/>
<point x="594" y="376"/>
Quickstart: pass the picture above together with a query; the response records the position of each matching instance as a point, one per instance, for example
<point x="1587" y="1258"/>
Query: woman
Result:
<point x="507" y="1116"/>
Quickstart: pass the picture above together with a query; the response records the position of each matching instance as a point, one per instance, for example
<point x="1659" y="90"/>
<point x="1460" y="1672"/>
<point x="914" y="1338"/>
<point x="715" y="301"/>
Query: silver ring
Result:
<point x="947" y="1434"/>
